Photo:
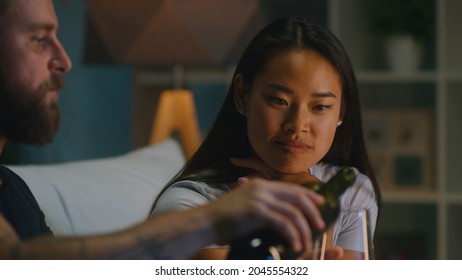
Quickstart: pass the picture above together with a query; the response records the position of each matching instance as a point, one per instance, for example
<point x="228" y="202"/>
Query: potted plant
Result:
<point x="405" y="25"/>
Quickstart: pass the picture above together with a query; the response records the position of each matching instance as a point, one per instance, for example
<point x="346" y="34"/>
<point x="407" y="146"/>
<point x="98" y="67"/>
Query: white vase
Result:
<point x="403" y="53"/>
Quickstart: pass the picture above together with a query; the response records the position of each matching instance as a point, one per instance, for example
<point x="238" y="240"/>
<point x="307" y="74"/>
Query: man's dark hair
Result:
<point x="4" y="6"/>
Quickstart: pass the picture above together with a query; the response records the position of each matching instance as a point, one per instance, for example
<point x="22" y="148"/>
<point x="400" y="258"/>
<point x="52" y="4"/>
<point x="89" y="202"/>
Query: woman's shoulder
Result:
<point x="187" y="194"/>
<point x="210" y="191"/>
<point x="325" y="171"/>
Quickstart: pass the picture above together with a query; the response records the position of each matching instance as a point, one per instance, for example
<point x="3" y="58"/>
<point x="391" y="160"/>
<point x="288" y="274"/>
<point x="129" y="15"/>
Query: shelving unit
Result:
<point x="429" y="216"/>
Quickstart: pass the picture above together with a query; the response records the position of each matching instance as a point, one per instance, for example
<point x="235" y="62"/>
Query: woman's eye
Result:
<point x="278" y="101"/>
<point x="321" y="107"/>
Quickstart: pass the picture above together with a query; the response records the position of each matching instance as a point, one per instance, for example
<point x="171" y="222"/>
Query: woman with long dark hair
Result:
<point x="292" y="113"/>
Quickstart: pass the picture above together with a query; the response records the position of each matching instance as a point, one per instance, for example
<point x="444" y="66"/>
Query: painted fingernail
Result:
<point x="242" y="180"/>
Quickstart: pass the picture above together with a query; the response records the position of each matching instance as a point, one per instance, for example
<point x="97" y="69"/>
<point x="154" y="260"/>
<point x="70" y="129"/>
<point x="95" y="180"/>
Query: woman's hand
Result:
<point x="261" y="170"/>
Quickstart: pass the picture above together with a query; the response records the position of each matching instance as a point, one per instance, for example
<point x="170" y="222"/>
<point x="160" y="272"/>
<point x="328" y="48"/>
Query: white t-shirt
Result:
<point x="348" y="228"/>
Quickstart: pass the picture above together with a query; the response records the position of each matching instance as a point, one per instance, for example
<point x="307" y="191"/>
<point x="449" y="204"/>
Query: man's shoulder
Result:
<point x="19" y="206"/>
<point x="9" y="177"/>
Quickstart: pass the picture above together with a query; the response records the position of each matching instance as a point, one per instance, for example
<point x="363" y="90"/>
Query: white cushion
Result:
<point x="102" y="195"/>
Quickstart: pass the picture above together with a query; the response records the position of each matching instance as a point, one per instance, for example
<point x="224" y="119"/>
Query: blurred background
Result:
<point x="405" y="54"/>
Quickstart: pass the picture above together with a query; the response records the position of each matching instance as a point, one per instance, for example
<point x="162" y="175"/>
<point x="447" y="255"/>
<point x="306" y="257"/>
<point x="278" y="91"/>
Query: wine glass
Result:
<point x="354" y="238"/>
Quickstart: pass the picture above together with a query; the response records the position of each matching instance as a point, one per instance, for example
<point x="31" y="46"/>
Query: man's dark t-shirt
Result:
<point x="19" y="207"/>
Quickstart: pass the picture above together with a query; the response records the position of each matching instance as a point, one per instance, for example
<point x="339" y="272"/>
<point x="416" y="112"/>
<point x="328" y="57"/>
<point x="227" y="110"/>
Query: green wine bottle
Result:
<point x="266" y="244"/>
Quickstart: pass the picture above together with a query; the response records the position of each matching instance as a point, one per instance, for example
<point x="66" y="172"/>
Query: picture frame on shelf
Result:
<point x="401" y="147"/>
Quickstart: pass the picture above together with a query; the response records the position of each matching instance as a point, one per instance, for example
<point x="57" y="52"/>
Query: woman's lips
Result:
<point x="296" y="147"/>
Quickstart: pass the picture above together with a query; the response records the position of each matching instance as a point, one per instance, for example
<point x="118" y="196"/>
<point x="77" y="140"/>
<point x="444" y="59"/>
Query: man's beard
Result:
<point x="24" y="115"/>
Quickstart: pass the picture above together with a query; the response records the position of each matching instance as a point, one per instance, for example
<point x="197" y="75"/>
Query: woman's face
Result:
<point x="292" y="110"/>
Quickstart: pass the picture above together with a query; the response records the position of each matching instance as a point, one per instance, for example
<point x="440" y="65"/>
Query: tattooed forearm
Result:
<point x="142" y="248"/>
<point x="7" y="233"/>
<point x="82" y="248"/>
<point x="15" y="252"/>
<point x="152" y="247"/>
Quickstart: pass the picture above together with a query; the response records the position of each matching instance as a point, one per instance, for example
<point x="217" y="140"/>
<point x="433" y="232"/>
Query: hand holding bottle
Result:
<point x="266" y="244"/>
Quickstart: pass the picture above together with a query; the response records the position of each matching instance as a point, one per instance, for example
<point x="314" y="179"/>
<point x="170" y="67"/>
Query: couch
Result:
<point x="102" y="195"/>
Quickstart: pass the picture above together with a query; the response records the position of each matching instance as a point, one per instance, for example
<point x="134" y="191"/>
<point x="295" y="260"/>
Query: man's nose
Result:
<point x="60" y="62"/>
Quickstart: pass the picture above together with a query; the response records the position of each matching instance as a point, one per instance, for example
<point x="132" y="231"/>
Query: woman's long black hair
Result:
<point x="228" y="136"/>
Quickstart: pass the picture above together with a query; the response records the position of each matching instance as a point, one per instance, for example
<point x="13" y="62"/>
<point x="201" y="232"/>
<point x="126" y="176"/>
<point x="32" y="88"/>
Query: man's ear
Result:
<point x="240" y="94"/>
